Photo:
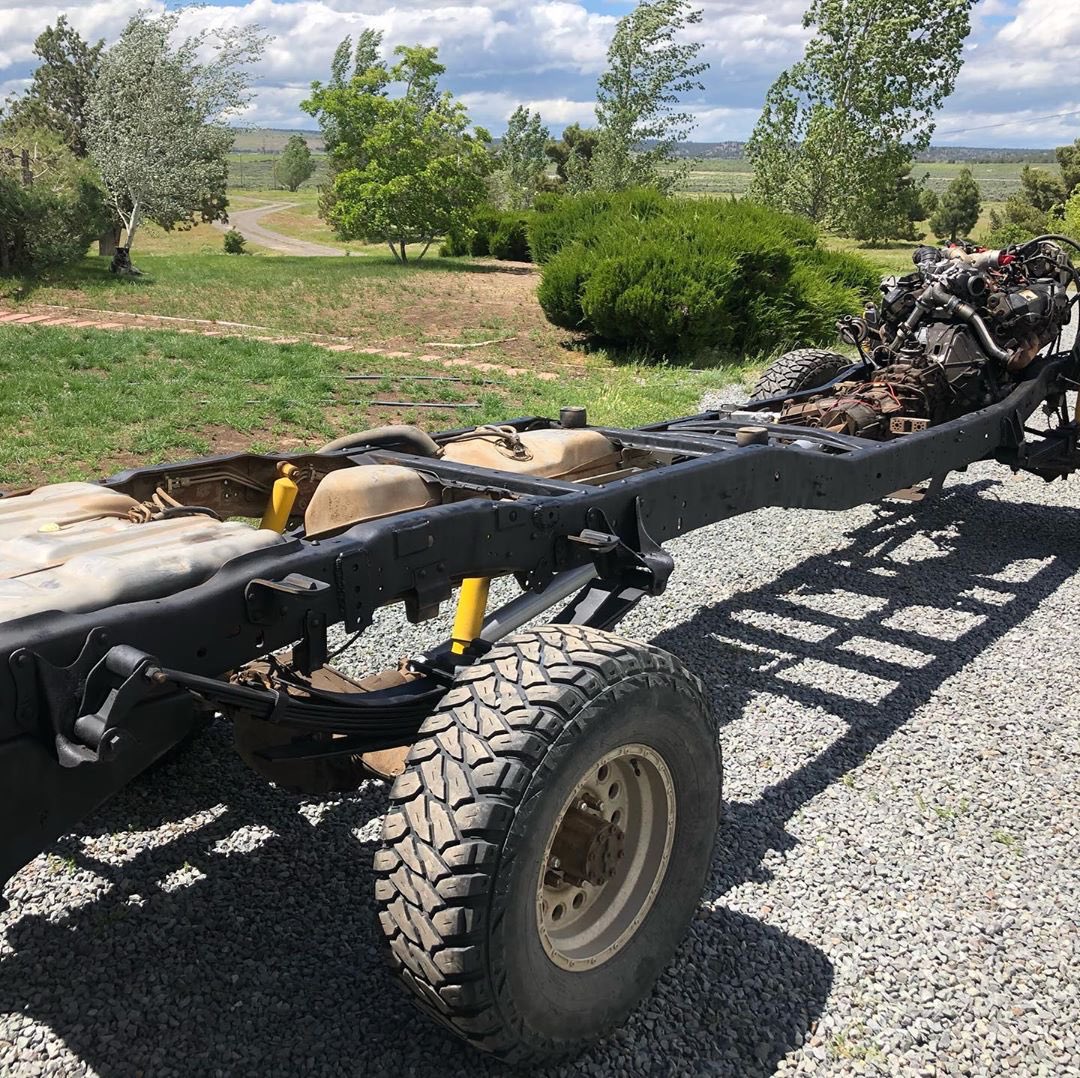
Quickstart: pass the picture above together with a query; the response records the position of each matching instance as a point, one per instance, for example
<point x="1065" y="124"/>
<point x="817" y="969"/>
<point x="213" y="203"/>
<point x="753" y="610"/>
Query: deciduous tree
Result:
<point x="366" y="65"/>
<point x="651" y="67"/>
<point x="896" y="201"/>
<point x="1029" y="211"/>
<point x="521" y="161"/>
<point x="295" y="165"/>
<point x="408" y="166"/>
<point x="871" y="80"/>
<point x="573" y="154"/>
<point x="1070" y="223"/>
<point x="1018" y="220"/>
<point x="1042" y="188"/>
<point x="1069" y="159"/>
<point x="158" y="120"/>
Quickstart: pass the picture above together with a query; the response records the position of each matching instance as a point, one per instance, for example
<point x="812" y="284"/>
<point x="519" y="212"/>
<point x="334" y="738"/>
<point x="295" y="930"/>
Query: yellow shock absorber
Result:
<point x="282" y="499"/>
<point x="469" y="619"/>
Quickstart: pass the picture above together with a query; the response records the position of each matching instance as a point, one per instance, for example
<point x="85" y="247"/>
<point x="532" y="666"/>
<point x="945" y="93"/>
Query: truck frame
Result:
<point x="537" y="770"/>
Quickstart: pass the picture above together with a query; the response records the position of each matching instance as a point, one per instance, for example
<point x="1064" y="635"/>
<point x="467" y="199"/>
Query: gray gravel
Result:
<point x="894" y="892"/>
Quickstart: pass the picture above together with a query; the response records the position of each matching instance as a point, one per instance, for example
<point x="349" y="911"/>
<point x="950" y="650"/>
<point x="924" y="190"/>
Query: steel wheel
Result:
<point x="605" y="858"/>
<point x="562" y="748"/>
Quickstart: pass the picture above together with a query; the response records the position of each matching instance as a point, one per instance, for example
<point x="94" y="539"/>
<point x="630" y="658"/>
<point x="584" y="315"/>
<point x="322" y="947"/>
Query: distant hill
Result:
<point x="269" y="140"/>
<point x="733" y="151"/>
<point x="273" y="139"/>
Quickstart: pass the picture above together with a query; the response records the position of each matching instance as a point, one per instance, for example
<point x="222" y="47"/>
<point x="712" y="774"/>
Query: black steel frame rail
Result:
<point x="534" y="528"/>
<point x="421" y="556"/>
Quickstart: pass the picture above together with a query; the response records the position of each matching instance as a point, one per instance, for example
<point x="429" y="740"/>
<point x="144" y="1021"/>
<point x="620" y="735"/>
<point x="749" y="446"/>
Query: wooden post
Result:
<point x="27" y="173"/>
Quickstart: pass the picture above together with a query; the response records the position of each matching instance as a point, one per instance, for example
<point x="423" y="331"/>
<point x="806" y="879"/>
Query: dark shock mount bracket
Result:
<point x="269" y="600"/>
<point x="625" y="573"/>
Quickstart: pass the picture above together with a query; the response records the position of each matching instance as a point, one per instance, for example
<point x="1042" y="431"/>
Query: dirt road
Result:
<point x="247" y="222"/>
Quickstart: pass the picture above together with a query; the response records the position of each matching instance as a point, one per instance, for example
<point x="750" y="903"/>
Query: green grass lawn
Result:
<point x="373" y="298"/>
<point x="83" y="404"/>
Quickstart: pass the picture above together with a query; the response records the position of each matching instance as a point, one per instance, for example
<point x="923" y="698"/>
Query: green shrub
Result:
<point x="845" y="269"/>
<point x="1070" y="218"/>
<point x="510" y="241"/>
<point x="457" y="243"/>
<point x="55" y="218"/>
<point x="490" y="232"/>
<point x="561" y="287"/>
<point x="485" y="221"/>
<point x="678" y="276"/>
<point x="1007" y="233"/>
<point x="234" y="243"/>
<point x="559" y="220"/>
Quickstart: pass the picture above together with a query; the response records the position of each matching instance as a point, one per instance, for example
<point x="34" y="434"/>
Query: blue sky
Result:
<point x="1022" y="62"/>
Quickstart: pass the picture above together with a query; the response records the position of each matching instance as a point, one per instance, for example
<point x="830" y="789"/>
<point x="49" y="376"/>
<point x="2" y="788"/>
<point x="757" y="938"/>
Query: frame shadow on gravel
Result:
<point x="215" y="973"/>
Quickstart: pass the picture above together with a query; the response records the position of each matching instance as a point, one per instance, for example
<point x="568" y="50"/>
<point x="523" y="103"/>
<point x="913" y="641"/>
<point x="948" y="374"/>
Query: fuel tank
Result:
<point x="72" y="547"/>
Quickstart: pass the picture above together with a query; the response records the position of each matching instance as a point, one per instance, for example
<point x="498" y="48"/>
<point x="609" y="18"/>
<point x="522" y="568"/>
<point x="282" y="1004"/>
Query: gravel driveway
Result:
<point x="894" y="892"/>
<point x="249" y="223"/>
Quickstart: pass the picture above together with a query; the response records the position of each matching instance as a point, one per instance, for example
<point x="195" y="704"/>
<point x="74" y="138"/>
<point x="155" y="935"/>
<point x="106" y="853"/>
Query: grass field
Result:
<point x="996" y="180"/>
<point x="272" y="140"/>
<point x="302" y="221"/>
<point x="895" y="258"/>
<point x="718" y="177"/>
<point x="83" y="404"/>
<point x="370" y="298"/>
<point x="255" y="171"/>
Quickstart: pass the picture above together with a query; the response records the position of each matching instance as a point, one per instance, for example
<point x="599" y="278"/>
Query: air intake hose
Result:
<point x="956" y="307"/>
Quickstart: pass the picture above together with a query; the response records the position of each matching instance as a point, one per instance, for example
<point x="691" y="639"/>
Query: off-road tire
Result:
<point x="464" y="838"/>
<point x="794" y="372"/>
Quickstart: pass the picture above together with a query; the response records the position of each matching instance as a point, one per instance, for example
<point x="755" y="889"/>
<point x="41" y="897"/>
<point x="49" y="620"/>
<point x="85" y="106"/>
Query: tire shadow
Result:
<point x="176" y="962"/>
<point x="914" y="597"/>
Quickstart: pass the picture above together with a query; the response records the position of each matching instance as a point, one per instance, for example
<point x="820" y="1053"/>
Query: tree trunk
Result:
<point x="404" y="253"/>
<point x="121" y="262"/>
<point x="133" y="226"/>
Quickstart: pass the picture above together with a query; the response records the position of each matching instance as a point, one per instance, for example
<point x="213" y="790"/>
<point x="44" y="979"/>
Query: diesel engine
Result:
<point x="951" y="337"/>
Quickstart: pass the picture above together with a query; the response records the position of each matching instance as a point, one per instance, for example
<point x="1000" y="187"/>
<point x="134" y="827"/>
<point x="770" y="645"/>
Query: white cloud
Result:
<point x="1010" y="128"/>
<point x="1037" y="51"/>
<point x="20" y="24"/>
<point x="492" y="110"/>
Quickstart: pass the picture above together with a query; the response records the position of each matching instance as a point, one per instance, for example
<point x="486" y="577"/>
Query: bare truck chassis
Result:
<point x="513" y="810"/>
